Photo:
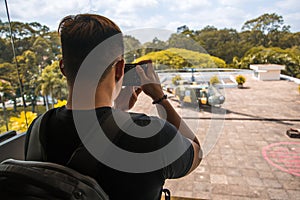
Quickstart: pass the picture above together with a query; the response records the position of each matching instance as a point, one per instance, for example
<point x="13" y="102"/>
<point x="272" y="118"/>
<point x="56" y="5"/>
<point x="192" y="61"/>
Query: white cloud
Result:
<point x="239" y="3"/>
<point x="43" y="11"/>
<point x="166" y="14"/>
<point x="289" y="5"/>
<point x="189" y="5"/>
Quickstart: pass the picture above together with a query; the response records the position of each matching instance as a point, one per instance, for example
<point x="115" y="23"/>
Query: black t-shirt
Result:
<point x="61" y="139"/>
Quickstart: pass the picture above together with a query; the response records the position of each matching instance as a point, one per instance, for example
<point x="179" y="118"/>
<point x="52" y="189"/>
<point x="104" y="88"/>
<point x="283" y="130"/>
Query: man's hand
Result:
<point x="127" y="98"/>
<point x="150" y="82"/>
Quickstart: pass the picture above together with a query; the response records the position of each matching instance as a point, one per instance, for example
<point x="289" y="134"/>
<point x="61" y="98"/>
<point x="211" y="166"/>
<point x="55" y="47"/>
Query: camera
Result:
<point x="131" y="77"/>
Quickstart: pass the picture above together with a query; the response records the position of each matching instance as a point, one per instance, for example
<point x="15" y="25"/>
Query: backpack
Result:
<point x="37" y="180"/>
<point x="32" y="180"/>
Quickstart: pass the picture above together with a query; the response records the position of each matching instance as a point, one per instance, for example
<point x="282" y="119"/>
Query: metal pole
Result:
<point x="17" y="66"/>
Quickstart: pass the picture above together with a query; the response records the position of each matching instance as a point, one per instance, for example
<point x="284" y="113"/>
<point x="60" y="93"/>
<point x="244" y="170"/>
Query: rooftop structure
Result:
<point x="267" y="72"/>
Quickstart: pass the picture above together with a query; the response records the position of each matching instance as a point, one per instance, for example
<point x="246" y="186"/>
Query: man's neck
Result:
<point x="103" y="98"/>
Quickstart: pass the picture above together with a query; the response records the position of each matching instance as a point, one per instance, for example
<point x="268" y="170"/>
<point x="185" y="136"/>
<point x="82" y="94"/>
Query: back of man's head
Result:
<point x="80" y="34"/>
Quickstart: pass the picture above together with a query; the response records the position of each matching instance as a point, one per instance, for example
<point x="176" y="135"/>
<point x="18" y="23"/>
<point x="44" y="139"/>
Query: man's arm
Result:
<point x="173" y="117"/>
<point x="127" y="98"/>
<point x="151" y="86"/>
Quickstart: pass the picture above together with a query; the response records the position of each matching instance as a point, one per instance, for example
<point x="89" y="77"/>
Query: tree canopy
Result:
<point x="176" y="58"/>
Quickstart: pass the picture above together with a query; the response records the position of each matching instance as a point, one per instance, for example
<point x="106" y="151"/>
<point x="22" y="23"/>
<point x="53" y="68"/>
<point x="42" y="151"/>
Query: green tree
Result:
<point x="42" y="49"/>
<point x="266" y="29"/>
<point x="132" y="48"/>
<point x="153" y="46"/>
<point x="52" y="83"/>
<point x="285" y="40"/>
<point x="8" y="73"/>
<point x="274" y="55"/>
<point x="266" y="23"/>
<point x="185" y="41"/>
<point x="28" y="70"/>
<point x="6" y="54"/>
<point x="5" y="91"/>
<point x="224" y="43"/>
<point x="22" y="30"/>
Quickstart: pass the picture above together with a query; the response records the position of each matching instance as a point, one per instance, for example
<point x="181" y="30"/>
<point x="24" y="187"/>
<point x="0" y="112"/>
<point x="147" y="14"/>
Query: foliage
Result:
<point x="52" y="82"/>
<point x="240" y="79"/>
<point x="155" y="45"/>
<point x="28" y="70"/>
<point x="267" y="30"/>
<point x="19" y="123"/>
<point x="132" y="48"/>
<point x="266" y="23"/>
<point x="299" y="89"/>
<point x="220" y="43"/>
<point x="214" y="80"/>
<point x="175" y="79"/>
<point x="185" y="41"/>
<point x="5" y="88"/>
<point x="175" y="58"/>
<point x="10" y="112"/>
<point x="261" y="55"/>
<point x="60" y="103"/>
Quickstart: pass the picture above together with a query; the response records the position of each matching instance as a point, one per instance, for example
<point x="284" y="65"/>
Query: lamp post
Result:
<point x="4" y="109"/>
<point x="193" y="77"/>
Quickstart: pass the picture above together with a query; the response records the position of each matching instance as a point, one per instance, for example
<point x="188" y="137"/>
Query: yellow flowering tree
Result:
<point x="19" y="123"/>
<point x="60" y="103"/>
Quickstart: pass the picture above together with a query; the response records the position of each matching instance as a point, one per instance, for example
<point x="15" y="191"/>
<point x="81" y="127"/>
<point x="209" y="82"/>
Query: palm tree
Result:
<point x="52" y="83"/>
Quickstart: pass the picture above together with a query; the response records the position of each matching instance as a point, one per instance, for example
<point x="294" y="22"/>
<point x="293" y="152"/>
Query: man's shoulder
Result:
<point x="142" y="119"/>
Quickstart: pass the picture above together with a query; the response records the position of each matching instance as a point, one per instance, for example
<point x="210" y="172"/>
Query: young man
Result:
<point x="141" y="151"/>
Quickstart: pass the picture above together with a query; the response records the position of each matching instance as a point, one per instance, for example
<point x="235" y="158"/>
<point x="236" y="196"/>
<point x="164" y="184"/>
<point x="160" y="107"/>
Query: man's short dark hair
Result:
<point x="80" y="34"/>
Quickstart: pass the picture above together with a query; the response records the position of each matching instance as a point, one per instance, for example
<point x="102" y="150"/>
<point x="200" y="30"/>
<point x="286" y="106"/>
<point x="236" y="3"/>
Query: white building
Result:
<point x="267" y="72"/>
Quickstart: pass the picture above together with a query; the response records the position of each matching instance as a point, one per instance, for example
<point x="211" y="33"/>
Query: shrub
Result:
<point x="175" y="79"/>
<point x="214" y="80"/>
<point x="240" y="79"/>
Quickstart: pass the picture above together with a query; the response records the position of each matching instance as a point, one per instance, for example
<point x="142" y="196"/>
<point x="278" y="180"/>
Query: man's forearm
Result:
<point x="165" y="108"/>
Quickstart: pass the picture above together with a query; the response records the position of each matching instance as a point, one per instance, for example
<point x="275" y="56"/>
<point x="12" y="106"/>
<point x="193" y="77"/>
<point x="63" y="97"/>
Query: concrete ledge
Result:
<point x="180" y="198"/>
<point x="289" y="78"/>
<point x="13" y="147"/>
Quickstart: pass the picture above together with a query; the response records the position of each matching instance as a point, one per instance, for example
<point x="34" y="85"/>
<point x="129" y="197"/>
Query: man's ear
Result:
<point x="119" y="72"/>
<point x="61" y="67"/>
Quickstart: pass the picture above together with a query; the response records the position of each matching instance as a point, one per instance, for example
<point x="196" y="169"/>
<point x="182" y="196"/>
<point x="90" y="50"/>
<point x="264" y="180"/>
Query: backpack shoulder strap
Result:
<point x="35" y="149"/>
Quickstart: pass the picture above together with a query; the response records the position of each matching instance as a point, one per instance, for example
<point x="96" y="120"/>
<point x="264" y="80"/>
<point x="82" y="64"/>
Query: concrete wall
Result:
<point x="267" y="72"/>
<point x="13" y="147"/>
<point x="269" y="75"/>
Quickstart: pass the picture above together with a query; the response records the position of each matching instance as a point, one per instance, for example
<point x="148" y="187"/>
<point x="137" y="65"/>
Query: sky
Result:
<point x="143" y="18"/>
